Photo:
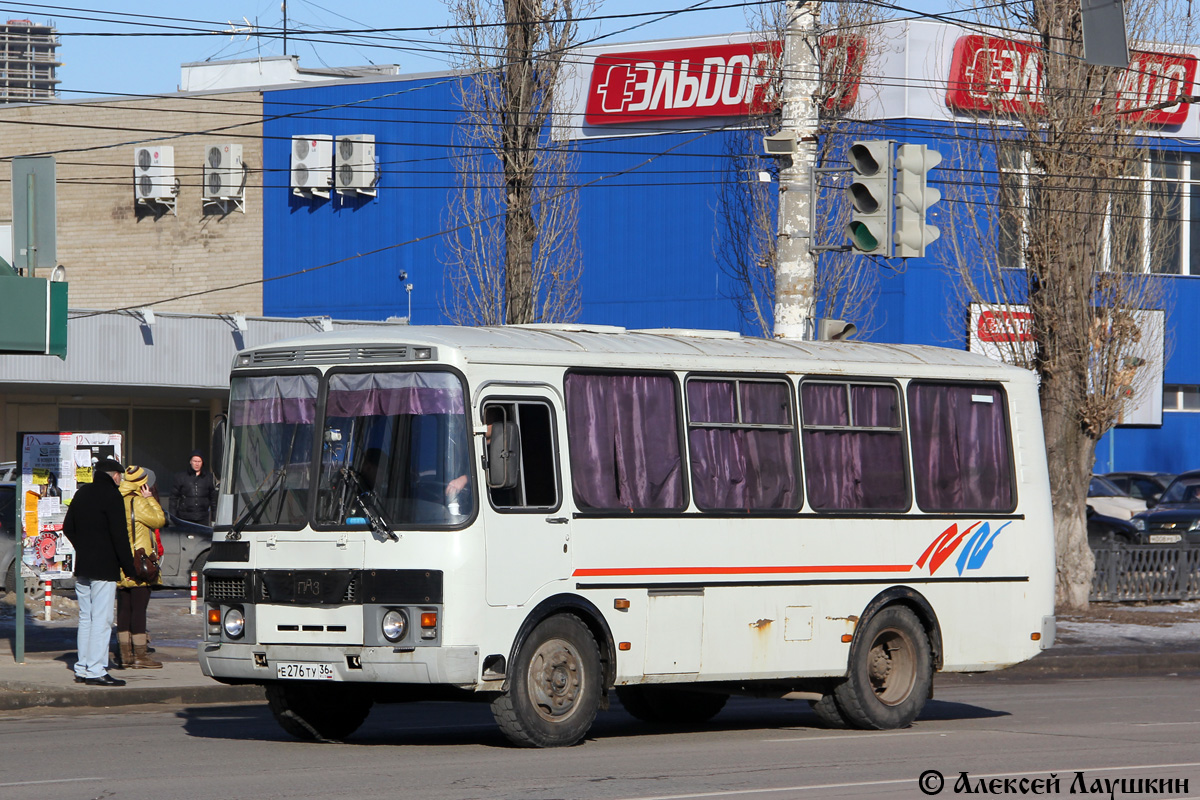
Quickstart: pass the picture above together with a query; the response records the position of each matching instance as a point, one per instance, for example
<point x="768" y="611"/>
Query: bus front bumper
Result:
<point x="261" y="663"/>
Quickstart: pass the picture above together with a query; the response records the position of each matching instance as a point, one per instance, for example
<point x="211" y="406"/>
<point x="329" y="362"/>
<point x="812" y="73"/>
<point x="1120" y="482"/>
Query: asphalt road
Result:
<point x="1110" y="728"/>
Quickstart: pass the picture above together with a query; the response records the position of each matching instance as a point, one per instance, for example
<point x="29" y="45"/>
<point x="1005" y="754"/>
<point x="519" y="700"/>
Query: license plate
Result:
<point x="305" y="672"/>
<point x="1164" y="538"/>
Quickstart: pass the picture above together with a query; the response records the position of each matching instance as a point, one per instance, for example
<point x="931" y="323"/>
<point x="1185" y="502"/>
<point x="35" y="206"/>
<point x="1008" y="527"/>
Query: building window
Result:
<point x="1178" y="397"/>
<point x="1147" y="217"/>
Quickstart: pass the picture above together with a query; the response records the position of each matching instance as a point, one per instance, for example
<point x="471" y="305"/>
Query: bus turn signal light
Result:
<point x="214" y="616"/>
<point x="1036" y="636"/>
<point x="623" y="646"/>
<point x="428" y="619"/>
<point x="620" y="604"/>
<point x="846" y="637"/>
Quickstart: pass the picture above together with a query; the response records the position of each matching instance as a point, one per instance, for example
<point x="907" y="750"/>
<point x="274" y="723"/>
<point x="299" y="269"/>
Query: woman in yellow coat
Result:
<point x="142" y="515"/>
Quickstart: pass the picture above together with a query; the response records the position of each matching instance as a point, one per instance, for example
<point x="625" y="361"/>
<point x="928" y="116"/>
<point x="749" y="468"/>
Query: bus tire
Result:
<point x="554" y="693"/>
<point x="318" y="712"/>
<point x="828" y="712"/>
<point x="665" y="704"/>
<point x="889" y="674"/>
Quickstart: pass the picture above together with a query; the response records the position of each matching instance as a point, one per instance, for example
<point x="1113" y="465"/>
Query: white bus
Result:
<point x="545" y="516"/>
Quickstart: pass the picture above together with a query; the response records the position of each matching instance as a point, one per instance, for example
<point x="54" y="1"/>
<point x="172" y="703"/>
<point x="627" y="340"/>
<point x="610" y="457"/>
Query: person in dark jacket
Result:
<point x="194" y="497"/>
<point x="95" y="525"/>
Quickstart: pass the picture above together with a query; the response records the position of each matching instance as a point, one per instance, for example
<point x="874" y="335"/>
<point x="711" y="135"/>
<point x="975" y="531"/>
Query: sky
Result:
<point x="137" y="46"/>
<point x="100" y="55"/>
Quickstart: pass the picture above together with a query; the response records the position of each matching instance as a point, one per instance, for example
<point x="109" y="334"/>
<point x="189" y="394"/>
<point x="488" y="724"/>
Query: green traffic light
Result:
<point x="862" y="238"/>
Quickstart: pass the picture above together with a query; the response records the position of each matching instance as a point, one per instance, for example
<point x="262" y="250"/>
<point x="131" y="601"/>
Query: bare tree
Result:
<point x="513" y="256"/>
<point x="746" y="206"/>
<point x="1052" y="207"/>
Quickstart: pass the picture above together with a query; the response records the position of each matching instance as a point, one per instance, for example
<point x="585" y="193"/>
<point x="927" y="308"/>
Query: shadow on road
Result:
<point x="447" y="724"/>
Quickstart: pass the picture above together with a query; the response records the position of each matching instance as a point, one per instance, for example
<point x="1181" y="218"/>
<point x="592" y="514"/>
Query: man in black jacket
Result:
<point x="194" y="497"/>
<point x="95" y="524"/>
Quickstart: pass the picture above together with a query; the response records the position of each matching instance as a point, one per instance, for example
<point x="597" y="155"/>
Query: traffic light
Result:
<point x="913" y="199"/>
<point x="870" y="194"/>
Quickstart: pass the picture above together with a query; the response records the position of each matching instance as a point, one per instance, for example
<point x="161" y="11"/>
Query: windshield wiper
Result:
<point x="276" y="477"/>
<point x="369" y="503"/>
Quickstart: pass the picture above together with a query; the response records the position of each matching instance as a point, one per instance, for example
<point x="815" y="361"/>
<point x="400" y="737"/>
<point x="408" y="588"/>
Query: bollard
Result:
<point x="193" y="594"/>
<point x="48" y="600"/>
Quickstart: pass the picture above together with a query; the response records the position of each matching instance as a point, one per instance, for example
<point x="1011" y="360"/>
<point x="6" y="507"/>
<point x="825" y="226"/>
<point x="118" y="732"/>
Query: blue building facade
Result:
<point x="648" y="223"/>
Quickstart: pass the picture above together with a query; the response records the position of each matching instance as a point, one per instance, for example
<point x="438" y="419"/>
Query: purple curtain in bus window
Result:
<point x="737" y="468"/>
<point x="273" y="399"/>
<point x="854" y="469"/>
<point x="390" y="393"/>
<point x="961" y="458"/>
<point x="624" y="441"/>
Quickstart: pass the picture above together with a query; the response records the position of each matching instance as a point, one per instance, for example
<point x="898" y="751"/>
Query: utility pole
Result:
<point x="796" y="265"/>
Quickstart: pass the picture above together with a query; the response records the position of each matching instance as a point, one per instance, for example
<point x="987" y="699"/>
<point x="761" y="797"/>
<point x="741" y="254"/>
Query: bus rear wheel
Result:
<point x="318" y="712"/>
<point x="890" y="672"/>
<point x="669" y="705"/>
<point x="828" y="712"/>
<point x="554" y="692"/>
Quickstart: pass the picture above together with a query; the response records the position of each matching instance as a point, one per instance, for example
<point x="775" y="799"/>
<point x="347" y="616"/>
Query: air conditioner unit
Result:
<point x="354" y="163"/>
<point x="224" y="176"/>
<point x="154" y="173"/>
<point x="312" y="164"/>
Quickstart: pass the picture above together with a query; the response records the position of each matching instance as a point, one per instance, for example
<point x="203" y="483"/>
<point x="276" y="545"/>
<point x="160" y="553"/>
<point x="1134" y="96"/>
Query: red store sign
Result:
<point x="1005" y="326"/>
<point x="730" y="80"/>
<point x="1004" y="76"/>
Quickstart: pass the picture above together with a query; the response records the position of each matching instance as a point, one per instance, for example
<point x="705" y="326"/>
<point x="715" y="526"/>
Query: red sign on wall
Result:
<point x="1004" y="326"/>
<point x="1004" y="76"/>
<point x="730" y="80"/>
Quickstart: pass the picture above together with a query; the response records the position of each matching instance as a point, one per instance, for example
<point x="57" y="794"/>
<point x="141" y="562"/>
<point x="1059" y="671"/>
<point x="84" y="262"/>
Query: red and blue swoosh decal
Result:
<point x="973" y="545"/>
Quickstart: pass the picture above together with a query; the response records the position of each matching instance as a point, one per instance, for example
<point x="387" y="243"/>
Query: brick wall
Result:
<point x="118" y="255"/>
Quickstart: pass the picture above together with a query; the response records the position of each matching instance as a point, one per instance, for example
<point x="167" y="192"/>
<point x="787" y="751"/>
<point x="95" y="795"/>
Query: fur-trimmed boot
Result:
<point x="125" y="650"/>
<point x="142" y="659"/>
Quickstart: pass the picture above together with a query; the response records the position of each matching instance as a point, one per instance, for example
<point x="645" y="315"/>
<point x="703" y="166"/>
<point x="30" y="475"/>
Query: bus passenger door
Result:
<point x="527" y="530"/>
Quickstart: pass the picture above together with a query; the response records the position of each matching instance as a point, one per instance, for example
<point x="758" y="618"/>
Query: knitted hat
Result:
<point x="135" y="475"/>
<point x="195" y="453"/>
<point x="109" y="465"/>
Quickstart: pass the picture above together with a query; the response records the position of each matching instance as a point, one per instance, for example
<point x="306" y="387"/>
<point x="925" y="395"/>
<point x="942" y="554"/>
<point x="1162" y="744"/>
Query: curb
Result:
<point x="17" y="695"/>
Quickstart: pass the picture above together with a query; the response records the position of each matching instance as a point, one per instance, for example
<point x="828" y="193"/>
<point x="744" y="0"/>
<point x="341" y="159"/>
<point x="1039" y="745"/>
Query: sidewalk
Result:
<point x="1108" y="639"/>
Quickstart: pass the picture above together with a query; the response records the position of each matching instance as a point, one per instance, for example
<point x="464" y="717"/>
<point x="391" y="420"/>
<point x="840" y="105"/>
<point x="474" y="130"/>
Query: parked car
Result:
<point x="1141" y="485"/>
<point x="185" y="548"/>
<point x="1106" y="499"/>
<point x="8" y="471"/>
<point x="1176" y="515"/>
<point x="1104" y="530"/>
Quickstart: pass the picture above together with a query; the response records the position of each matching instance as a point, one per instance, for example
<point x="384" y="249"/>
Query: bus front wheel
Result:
<point x="554" y="692"/>
<point x="318" y="712"/>
<point x="890" y="672"/>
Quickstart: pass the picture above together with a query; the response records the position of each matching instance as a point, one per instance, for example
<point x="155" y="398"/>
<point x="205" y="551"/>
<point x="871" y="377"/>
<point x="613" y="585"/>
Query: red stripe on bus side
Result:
<point x="619" y="571"/>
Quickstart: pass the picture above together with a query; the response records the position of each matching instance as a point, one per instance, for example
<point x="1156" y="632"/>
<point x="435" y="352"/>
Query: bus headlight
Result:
<point x="235" y="623"/>
<point x="394" y="624"/>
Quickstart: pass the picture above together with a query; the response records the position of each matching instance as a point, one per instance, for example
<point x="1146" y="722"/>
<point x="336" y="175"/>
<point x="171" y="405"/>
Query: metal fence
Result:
<point x="1130" y="572"/>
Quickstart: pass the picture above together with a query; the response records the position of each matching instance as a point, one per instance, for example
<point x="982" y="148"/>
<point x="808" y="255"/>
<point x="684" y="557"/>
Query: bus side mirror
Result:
<point x="503" y="455"/>
<point x="220" y="427"/>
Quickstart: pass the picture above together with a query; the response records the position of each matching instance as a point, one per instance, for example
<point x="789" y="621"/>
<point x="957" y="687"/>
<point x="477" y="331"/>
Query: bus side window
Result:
<point x="537" y="480"/>
<point x="961" y="448"/>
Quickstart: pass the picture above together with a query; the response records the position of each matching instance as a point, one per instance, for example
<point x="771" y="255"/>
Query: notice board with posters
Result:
<point x="51" y="467"/>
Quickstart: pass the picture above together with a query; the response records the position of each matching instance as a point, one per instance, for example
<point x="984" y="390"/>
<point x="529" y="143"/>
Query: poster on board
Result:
<point x="52" y="467"/>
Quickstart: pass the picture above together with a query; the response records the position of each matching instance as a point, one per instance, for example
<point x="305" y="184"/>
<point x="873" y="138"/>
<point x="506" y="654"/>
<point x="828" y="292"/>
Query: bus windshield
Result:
<point x="271" y="429"/>
<point x="395" y="450"/>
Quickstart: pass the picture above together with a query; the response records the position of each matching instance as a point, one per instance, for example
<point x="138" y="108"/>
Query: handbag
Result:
<point x="145" y="565"/>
